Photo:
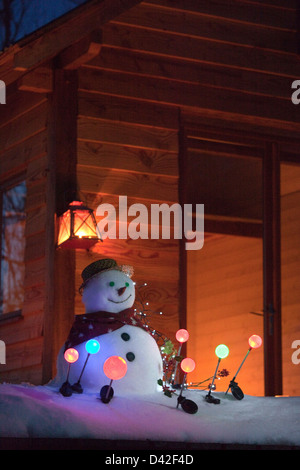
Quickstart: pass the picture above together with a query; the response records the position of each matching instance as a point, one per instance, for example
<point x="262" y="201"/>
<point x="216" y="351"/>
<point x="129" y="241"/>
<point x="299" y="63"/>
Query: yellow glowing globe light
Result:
<point x="222" y="351"/>
<point x="71" y="355"/>
<point x="255" y="341"/>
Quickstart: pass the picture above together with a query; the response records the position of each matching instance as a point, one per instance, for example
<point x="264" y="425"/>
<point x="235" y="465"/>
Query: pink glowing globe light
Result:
<point x="182" y="335"/>
<point x="255" y="341"/>
<point x="187" y="365"/>
<point x="71" y="355"/>
<point x="115" y="367"/>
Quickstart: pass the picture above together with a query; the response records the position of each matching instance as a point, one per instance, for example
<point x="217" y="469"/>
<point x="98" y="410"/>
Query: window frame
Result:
<point x="4" y="186"/>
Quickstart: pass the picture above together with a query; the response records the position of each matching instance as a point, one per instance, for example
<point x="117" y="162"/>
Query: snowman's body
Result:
<point x="113" y="291"/>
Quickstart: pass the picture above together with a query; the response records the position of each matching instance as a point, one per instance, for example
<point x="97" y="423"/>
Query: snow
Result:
<point x="28" y="411"/>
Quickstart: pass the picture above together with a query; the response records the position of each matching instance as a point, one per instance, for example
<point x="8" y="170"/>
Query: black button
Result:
<point x="130" y="356"/>
<point x="125" y="336"/>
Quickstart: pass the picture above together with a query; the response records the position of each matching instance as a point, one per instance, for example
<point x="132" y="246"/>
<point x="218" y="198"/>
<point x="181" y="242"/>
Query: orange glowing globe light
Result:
<point x="182" y="335"/>
<point x="115" y="367"/>
<point x="187" y="365"/>
<point x="255" y="341"/>
<point x="71" y="355"/>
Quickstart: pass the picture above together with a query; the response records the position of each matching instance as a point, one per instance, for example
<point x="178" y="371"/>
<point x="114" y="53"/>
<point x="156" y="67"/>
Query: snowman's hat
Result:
<point x="100" y="266"/>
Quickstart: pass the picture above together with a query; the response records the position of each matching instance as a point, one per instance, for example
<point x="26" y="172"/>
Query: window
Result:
<point x="12" y="235"/>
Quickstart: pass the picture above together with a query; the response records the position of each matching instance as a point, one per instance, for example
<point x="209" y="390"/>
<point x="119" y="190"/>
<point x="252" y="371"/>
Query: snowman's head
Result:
<point x="109" y="291"/>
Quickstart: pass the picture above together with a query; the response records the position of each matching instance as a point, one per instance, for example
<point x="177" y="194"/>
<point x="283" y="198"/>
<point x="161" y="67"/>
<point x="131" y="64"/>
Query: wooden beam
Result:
<point x="272" y="272"/>
<point x="38" y="81"/>
<point x="62" y="33"/>
<point x="62" y="159"/>
<point x="80" y="52"/>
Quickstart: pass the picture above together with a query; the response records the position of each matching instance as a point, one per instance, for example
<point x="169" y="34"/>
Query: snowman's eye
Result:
<point x="127" y="284"/>
<point x="111" y="283"/>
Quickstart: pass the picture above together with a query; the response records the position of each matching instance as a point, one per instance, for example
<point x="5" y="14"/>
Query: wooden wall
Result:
<point x="130" y="149"/>
<point x="23" y="138"/>
<point x="164" y="67"/>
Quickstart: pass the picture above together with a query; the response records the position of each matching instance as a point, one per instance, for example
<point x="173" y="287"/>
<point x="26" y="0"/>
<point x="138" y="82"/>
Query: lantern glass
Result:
<point x="77" y="227"/>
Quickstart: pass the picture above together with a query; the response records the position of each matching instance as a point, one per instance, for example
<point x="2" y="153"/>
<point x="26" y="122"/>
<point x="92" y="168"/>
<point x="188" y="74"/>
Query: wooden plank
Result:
<point x="137" y="185"/>
<point x="35" y="246"/>
<point x="19" y="103"/>
<point x="224" y="127"/>
<point x="35" y="272"/>
<point x="25" y="126"/>
<point x="221" y="76"/>
<point x="189" y="95"/>
<point x="126" y="110"/>
<point x="15" y="159"/>
<point x="206" y="147"/>
<point x="36" y="221"/>
<point x="223" y="29"/>
<point x="80" y="52"/>
<point x="96" y="130"/>
<point x="28" y="327"/>
<point x="147" y="265"/>
<point x="127" y="158"/>
<point x="40" y="80"/>
<point x="201" y="49"/>
<point x="250" y="12"/>
<point x="47" y="42"/>
<point x="24" y="354"/>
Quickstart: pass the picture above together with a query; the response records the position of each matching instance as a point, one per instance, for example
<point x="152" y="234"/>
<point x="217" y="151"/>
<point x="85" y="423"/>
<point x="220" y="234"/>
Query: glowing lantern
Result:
<point x="187" y="365"/>
<point x="221" y="352"/>
<point x="115" y="367"/>
<point x="77" y="227"/>
<point x="71" y="355"/>
<point x="182" y="335"/>
<point x="92" y="346"/>
<point x="254" y="342"/>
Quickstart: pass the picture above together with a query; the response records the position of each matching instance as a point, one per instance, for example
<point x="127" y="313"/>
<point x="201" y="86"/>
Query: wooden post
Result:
<point x="63" y="156"/>
<point x="272" y="271"/>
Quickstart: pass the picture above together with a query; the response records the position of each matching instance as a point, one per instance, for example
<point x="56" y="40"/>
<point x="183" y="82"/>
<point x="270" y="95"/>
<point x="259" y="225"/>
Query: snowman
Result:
<point x="108" y="294"/>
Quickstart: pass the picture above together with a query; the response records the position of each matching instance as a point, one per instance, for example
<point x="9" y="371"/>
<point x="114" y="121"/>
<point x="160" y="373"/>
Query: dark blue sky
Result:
<point x="18" y="18"/>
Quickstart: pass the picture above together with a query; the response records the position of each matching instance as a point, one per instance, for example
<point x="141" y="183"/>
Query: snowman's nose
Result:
<point x="121" y="290"/>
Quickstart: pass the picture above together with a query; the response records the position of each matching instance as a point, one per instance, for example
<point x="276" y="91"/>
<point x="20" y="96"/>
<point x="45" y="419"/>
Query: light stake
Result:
<point x="92" y="347"/>
<point x="254" y="342"/>
<point x="71" y="355"/>
<point x="182" y="336"/>
<point x="189" y="406"/>
<point x="221" y="352"/>
<point x="115" y="367"/>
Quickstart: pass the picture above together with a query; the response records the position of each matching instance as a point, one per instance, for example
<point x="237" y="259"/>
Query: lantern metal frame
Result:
<point x="77" y="227"/>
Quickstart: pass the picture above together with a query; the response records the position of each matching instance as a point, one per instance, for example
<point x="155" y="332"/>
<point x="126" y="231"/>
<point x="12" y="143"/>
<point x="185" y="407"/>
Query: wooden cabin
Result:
<point x="164" y="101"/>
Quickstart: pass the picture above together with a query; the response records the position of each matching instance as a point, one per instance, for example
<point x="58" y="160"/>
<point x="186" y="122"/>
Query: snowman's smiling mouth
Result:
<point x="120" y="301"/>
